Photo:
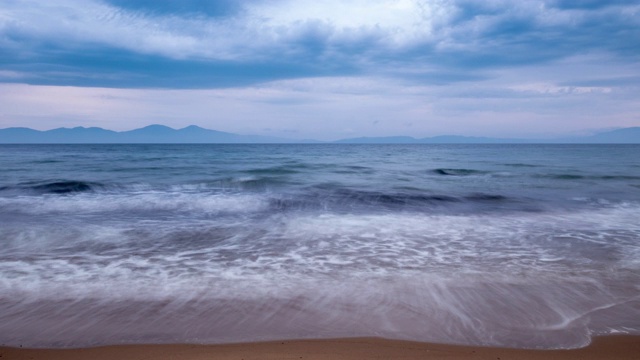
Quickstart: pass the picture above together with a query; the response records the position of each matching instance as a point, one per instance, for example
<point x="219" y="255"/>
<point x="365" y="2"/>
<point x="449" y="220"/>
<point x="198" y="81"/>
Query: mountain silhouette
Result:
<point x="161" y="134"/>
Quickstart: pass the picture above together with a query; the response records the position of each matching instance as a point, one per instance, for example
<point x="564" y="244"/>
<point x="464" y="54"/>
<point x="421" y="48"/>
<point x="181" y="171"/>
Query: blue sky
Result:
<point x="323" y="69"/>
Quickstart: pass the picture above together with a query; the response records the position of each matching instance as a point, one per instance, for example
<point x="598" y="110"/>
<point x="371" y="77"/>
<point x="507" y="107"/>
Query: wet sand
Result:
<point x="610" y="347"/>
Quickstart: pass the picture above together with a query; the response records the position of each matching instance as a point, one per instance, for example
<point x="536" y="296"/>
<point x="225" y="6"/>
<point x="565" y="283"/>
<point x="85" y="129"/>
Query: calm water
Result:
<point x="512" y="245"/>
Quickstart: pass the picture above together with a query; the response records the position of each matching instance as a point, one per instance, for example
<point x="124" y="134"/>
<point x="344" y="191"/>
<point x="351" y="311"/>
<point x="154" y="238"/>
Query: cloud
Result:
<point x="591" y="4"/>
<point x="553" y="89"/>
<point x="148" y="43"/>
<point x="499" y="33"/>
<point x="217" y="8"/>
<point x="606" y="81"/>
<point x="12" y="75"/>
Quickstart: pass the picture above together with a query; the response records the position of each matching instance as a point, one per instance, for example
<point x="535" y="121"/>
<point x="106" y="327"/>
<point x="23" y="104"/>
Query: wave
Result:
<point x="71" y="187"/>
<point x="275" y="170"/>
<point x="457" y="172"/>
<point x="521" y="165"/>
<point x="148" y="203"/>
<point x="555" y="245"/>
<point x="254" y="194"/>
<point x="250" y="194"/>
<point x="354" y="169"/>
<point x="249" y="183"/>
<point x="54" y="187"/>
<point x="569" y="176"/>
<point x="335" y="198"/>
<point x="619" y="177"/>
<point x="254" y="197"/>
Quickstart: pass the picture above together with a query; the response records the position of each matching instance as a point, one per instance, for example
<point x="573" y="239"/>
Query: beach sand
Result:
<point x="610" y="347"/>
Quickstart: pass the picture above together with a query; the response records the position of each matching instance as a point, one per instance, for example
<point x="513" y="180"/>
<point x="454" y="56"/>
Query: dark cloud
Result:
<point x="211" y="8"/>
<point x="467" y="10"/>
<point x="490" y="36"/>
<point x="591" y="4"/>
<point x="100" y="67"/>
<point x="310" y="39"/>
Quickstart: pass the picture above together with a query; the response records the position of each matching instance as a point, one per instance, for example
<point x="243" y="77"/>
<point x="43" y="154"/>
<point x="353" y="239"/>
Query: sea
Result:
<point x="514" y="245"/>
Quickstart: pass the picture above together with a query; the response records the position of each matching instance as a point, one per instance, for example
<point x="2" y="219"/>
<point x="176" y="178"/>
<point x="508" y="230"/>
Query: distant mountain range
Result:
<point x="620" y="136"/>
<point x="196" y="134"/>
<point x="147" y="135"/>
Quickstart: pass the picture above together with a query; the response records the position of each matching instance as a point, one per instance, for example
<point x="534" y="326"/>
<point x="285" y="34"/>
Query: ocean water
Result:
<point x="534" y="246"/>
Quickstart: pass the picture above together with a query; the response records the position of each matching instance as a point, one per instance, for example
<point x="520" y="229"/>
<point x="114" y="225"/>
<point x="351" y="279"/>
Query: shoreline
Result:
<point x="609" y="347"/>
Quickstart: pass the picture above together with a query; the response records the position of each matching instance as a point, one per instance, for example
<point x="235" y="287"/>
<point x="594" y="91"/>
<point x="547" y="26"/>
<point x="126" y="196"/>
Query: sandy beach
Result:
<point x="610" y="347"/>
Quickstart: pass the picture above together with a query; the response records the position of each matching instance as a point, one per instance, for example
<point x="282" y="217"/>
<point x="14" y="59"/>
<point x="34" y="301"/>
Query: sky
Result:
<point x="323" y="69"/>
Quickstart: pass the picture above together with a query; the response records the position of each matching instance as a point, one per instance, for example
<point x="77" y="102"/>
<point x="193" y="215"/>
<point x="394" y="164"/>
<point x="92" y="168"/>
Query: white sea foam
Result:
<point x="136" y="201"/>
<point x="513" y="248"/>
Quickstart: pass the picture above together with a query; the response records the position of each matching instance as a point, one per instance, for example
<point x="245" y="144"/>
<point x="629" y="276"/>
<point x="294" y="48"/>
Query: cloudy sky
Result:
<point x="323" y="69"/>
